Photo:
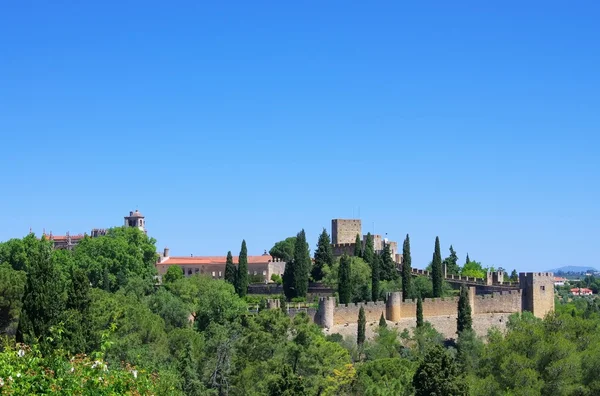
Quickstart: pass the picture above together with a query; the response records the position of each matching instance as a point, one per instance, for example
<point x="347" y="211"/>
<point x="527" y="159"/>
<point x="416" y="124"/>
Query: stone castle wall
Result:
<point x="348" y="313"/>
<point x="345" y="231"/>
<point x="498" y="302"/>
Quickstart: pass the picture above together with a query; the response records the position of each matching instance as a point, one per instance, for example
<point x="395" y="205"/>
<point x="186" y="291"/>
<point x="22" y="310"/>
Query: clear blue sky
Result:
<point x="222" y="121"/>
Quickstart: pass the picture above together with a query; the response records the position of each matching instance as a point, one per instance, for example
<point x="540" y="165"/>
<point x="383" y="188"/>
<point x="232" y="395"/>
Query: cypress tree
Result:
<point x="357" y="246"/>
<point x="77" y="326"/>
<point x="387" y="269"/>
<point x="514" y="277"/>
<point x="406" y="269"/>
<point x="241" y="284"/>
<point x="464" y="320"/>
<point x="436" y="270"/>
<point x="375" y="278"/>
<point x="302" y="264"/>
<point x="369" y="251"/>
<point x="43" y="296"/>
<point x="289" y="274"/>
<point x="382" y="321"/>
<point x="344" y="285"/>
<point x="467" y="260"/>
<point x="323" y="256"/>
<point x="362" y="323"/>
<point x="419" y="312"/>
<point x="230" y="270"/>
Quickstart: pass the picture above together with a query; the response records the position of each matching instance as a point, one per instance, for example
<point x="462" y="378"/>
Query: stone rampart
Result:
<point x="348" y="313"/>
<point x="431" y="307"/>
<point x="498" y="302"/>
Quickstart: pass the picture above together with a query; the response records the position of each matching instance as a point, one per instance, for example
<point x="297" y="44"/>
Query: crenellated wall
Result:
<point x="348" y="313"/>
<point x="498" y="302"/>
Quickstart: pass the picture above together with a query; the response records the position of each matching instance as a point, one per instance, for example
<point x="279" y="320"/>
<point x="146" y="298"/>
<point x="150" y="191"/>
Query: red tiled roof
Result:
<point x="581" y="290"/>
<point x="214" y="260"/>
<point x="51" y="237"/>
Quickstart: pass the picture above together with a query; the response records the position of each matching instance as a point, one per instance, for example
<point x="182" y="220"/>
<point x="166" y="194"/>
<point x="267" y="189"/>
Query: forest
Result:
<point x="94" y="321"/>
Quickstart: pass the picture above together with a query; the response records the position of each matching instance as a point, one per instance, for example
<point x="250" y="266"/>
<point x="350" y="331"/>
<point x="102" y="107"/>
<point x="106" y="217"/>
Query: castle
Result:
<point x="67" y="241"/>
<point x="343" y="238"/>
<point x="534" y="293"/>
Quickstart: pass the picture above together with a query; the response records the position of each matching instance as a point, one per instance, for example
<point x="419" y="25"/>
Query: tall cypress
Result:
<point x="406" y="269"/>
<point x="369" y="250"/>
<point x="77" y="325"/>
<point x="436" y="270"/>
<point x="419" y="312"/>
<point x="344" y="285"/>
<point x="43" y="300"/>
<point x="302" y="264"/>
<point x="323" y="256"/>
<point x="375" y="278"/>
<point x="464" y="320"/>
<point x="357" y="246"/>
<point x="382" y="321"/>
<point x="242" y="272"/>
<point x="230" y="270"/>
<point x="387" y="270"/>
<point x="362" y="323"/>
<point x="467" y="260"/>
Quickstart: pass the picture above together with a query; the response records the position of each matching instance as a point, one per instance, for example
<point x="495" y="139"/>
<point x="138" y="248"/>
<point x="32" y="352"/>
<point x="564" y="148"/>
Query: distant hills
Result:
<point x="573" y="268"/>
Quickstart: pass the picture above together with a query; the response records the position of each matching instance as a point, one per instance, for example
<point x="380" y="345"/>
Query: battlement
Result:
<point x="340" y="245"/>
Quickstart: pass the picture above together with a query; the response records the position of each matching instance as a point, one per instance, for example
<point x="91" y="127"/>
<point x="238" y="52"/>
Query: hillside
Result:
<point x="573" y="268"/>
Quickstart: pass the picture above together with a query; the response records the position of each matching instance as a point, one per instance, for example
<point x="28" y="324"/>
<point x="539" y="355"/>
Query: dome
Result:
<point x="135" y="214"/>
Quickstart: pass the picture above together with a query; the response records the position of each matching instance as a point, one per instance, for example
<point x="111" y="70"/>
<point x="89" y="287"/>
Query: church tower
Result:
<point x="136" y="219"/>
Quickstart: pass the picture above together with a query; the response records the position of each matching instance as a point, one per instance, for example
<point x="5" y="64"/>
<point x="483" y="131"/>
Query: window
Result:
<point x="197" y="270"/>
<point x="264" y="273"/>
<point x="219" y="274"/>
<point x="190" y="271"/>
<point x="542" y="288"/>
<point x="213" y="274"/>
<point x="254" y="272"/>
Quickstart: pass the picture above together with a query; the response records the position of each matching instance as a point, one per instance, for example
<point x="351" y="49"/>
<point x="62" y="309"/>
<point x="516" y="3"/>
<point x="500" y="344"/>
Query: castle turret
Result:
<point x="393" y="306"/>
<point x="324" y="316"/>
<point x="537" y="292"/>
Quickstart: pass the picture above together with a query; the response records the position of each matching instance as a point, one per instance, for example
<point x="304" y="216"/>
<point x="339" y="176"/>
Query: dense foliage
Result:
<point x="123" y="334"/>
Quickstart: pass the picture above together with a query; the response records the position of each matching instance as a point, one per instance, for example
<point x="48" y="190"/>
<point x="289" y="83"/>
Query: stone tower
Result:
<point x="136" y="219"/>
<point x="345" y="231"/>
<point x="537" y="290"/>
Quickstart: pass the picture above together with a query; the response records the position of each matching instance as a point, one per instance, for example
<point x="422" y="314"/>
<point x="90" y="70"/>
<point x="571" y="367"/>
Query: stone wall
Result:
<point x="348" y="313"/>
<point x="431" y="307"/>
<point x="498" y="302"/>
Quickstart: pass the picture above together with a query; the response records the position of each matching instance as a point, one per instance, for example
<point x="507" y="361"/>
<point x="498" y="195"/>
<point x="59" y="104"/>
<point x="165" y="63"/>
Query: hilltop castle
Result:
<point x="343" y="238"/>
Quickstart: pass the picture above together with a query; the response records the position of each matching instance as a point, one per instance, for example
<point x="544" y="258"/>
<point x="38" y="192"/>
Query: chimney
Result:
<point x="166" y="252"/>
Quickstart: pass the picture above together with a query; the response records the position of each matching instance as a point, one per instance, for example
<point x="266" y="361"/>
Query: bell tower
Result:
<point x="136" y="219"/>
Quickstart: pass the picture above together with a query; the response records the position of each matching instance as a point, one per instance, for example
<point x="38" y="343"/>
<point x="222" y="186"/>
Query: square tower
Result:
<point x="345" y="230"/>
<point x="537" y="290"/>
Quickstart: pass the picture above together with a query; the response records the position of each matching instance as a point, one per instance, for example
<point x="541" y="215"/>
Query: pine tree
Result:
<point x="436" y="270"/>
<point x="369" y="250"/>
<point x="406" y="269"/>
<point x="344" y="276"/>
<point x="76" y="324"/>
<point x="382" y="321"/>
<point x="467" y="260"/>
<point x="514" y="277"/>
<point x="419" y="312"/>
<point x="362" y="323"/>
<point x="387" y="271"/>
<point x="43" y="300"/>
<point x="302" y="265"/>
<point x="241" y="283"/>
<point x="375" y="278"/>
<point x="323" y="256"/>
<point x="464" y="320"/>
<point x="230" y="270"/>
<point x="357" y="246"/>
<point x="439" y="374"/>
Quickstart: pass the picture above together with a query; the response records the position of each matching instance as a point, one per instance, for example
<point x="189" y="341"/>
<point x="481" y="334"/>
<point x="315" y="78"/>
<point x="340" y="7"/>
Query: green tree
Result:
<point x="369" y="250"/>
<point x="43" y="299"/>
<point x="437" y="276"/>
<point x="362" y="323"/>
<point x="419" y="312"/>
<point x="286" y="383"/>
<point x="174" y="273"/>
<point x="360" y="278"/>
<point x="241" y="281"/>
<point x="514" y="277"/>
<point x="438" y="374"/>
<point x="77" y="326"/>
<point x="344" y="281"/>
<point x="230" y="269"/>
<point x="467" y="259"/>
<point x="302" y="262"/>
<point x="451" y="263"/>
<point x="284" y="250"/>
<point x="387" y="270"/>
<point x="406" y="269"/>
<point x="375" y="278"/>
<point x="464" y="320"/>
<point x="357" y="246"/>
<point x="382" y="321"/>
<point x="473" y="269"/>
<point x="12" y="287"/>
<point x="323" y="256"/>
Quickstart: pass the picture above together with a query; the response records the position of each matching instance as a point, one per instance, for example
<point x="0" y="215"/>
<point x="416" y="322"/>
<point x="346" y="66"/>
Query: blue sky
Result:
<point x="477" y="123"/>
